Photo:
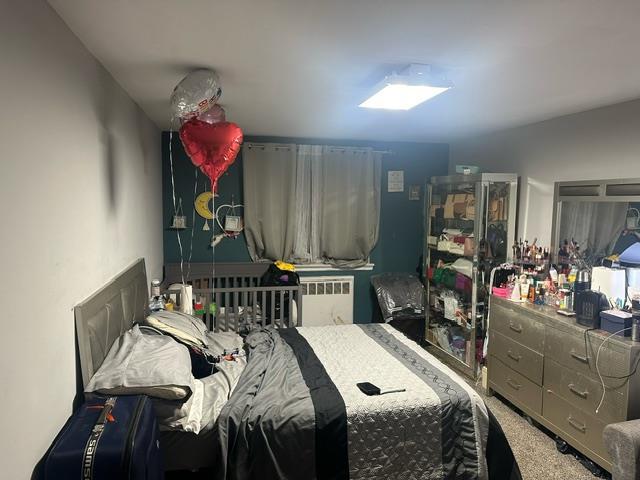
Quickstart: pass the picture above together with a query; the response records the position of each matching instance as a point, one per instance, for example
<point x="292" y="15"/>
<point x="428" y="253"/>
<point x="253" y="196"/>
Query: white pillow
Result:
<point x="182" y="416"/>
<point x="153" y="365"/>
<point x="186" y="328"/>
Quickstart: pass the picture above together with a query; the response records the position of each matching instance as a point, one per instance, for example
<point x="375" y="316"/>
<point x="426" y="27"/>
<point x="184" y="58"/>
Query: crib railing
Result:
<point x="240" y="301"/>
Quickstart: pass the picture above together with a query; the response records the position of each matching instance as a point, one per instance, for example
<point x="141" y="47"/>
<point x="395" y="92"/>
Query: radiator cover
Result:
<point x="327" y="300"/>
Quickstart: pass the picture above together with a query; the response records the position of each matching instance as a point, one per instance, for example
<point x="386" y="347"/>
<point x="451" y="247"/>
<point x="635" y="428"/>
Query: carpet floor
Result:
<point x="535" y="450"/>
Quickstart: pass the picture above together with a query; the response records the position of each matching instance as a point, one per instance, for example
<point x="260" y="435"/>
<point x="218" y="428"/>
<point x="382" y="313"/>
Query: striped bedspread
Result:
<point x="298" y="414"/>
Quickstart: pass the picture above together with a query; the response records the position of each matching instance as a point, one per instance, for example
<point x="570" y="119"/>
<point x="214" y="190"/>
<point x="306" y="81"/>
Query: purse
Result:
<point x="460" y="201"/>
<point x="444" y="244"/>
<point x="494" y="210"/>
<point x="449" y="278"/>
<point x="456" y="248"/>
<point x="470" y="212"/>
<point x="463" y="283"/>
<point x="449" y="207"/>
<point x="469" y="247"/>
<point x="497" y="240"/>
<point x="437" y="275"/>
<point x="457" y="245"/>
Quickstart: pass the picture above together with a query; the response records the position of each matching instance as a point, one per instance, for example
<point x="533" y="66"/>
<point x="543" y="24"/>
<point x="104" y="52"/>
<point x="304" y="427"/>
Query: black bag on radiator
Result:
<point x="275" y="277"/>
<point x="107" y="438"/>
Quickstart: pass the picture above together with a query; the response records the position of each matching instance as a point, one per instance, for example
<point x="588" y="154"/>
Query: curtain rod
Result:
<point x="280" y="145"/>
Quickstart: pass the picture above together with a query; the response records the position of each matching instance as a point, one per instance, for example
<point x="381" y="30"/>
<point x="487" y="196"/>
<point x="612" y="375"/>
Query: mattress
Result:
<point x="298" y="414"/>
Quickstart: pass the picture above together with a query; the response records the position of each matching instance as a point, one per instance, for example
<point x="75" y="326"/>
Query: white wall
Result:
<point x="80" y="193"/>
<point x="598" y="144"/>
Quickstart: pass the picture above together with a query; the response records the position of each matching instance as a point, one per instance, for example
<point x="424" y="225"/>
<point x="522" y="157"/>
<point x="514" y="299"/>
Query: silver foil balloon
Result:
<point x="195" y="94"/>
<point x="215" y="114"/>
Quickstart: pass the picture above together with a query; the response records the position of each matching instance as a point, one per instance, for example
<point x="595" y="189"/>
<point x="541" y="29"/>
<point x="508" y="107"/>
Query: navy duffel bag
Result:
<point x="107" y="438"/>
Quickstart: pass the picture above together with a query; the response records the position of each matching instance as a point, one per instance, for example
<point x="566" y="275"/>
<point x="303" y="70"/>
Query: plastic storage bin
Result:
<point x="615" y="320"/>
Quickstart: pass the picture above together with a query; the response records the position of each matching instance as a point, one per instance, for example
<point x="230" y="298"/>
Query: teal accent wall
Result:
<point x="400" y="240"/>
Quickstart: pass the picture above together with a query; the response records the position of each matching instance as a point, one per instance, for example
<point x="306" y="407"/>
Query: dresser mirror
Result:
<point x="601" y="216"/>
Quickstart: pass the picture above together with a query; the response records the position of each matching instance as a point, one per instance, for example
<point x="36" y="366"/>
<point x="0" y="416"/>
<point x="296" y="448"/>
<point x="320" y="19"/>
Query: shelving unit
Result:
<point x="456" y="317"/>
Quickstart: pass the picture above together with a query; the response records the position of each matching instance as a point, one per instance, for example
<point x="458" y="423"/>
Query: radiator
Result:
<point x="327" y="300"/>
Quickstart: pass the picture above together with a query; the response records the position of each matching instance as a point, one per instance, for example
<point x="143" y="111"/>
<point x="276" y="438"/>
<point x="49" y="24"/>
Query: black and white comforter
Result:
<point x="298" y="414"/>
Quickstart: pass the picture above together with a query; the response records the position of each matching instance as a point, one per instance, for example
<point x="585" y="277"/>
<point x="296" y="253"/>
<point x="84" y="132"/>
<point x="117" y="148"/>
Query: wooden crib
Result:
<point x="241" y="303"/>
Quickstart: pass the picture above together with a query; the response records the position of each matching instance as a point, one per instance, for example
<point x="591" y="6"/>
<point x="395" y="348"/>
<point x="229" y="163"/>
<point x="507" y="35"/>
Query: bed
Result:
<point x="297" y="413"/>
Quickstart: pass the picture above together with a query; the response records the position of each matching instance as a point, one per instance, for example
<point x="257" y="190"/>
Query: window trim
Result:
<point x="324" y="267"/>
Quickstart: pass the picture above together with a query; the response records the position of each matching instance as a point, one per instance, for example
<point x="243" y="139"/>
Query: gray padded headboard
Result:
<point x="109" y="312"/>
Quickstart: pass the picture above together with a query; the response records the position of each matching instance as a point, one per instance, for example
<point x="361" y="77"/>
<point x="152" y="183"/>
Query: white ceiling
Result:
<point x="300" y="67"/>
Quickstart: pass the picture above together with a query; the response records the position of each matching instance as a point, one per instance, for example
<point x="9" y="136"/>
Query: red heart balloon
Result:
<point x="211" y="147"/>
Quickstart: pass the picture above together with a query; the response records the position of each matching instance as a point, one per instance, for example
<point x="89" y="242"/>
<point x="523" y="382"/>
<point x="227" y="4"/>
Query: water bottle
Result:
<point x="156" y="302"/>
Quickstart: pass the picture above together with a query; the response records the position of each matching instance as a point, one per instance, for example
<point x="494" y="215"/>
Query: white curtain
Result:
<point x="594" y="225"/>
<point x="332" y="202"/>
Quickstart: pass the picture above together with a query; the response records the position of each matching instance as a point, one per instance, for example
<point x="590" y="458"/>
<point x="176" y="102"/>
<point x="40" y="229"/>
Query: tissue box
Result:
<point x="615" y="320"/>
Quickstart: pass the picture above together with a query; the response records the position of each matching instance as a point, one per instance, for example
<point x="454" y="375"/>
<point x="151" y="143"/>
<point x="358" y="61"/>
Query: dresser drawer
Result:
<point x="585" y="393"/>
<point x="568" y="348"/>
<point x="518" y="324"/>
<point x="515" y="387"/>
<point x="575" y="424"/>
<point x="520" y="358"/>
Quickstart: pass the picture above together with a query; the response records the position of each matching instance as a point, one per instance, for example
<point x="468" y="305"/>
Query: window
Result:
<point x="311" y="204"/>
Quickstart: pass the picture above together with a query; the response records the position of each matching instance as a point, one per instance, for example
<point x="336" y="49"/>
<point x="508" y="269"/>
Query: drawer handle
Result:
<point x="579" y="357"/>
<point x="517" y="329"/>
<point x="578" y="426"/>
<point x="573" y="388"/>
<point x="513" y="357"/>
<point x="514" y="385"/>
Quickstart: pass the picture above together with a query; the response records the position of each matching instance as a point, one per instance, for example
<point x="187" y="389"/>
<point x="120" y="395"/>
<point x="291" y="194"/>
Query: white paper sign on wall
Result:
<point x="395" y="181"/>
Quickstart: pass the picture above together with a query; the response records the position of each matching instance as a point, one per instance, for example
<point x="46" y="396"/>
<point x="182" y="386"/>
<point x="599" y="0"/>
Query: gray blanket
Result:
<point x="298" y="414"/>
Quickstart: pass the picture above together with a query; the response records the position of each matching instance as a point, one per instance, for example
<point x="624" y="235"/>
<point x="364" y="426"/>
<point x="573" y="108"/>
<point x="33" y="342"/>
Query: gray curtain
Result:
<point x="331" y="196"/>
<point x="269" y="176"/>
<point x="349" y="205"/>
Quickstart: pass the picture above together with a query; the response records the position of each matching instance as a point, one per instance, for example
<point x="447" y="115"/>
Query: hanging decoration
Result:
<point x="233" y="223"/>
<point x="211" y="147"/>
<point x="179" y="219"/>
<point x="201" y="205"/>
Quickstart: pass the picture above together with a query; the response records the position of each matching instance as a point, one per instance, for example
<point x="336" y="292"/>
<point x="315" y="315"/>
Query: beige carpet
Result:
<point x="534" y="450"/>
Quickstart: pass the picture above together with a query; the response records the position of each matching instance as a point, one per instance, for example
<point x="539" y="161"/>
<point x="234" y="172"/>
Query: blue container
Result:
<point x="615" y="320"/>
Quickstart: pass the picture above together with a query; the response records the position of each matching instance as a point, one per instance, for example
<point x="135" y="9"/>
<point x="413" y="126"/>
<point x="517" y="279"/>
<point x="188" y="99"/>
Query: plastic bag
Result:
<point x="398" y="293"/>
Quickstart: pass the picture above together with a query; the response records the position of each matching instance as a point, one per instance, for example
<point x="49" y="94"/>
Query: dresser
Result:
<point x="545" y="364"/>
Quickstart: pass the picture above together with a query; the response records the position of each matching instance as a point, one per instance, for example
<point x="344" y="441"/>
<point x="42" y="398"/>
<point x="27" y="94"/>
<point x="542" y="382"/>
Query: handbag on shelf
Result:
<point x="436" y="211"/>
<point x="463" y="283"/>
<point x="494" y="209"/>
<point x="497" y="241"/>
<point x="469" y="246"/>
<point x="437" y="275"/>
<point x="449" y="278"/>
<point x="457" y="245"/>
<point x="449" y="207"/>
<point x="456" y="248"/>
<point x="460" y="201"/>
<point x="444" y="244"/>
<point x="470" y="212"/>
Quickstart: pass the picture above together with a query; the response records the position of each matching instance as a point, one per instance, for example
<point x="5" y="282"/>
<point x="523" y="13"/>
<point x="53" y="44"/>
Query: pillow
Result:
<point x="182" y="416"/>
<point x="218" y="342"/>
<point x="185" y="328"/>
<point x="152" y="365"/>
<point x="200" y="412"/>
